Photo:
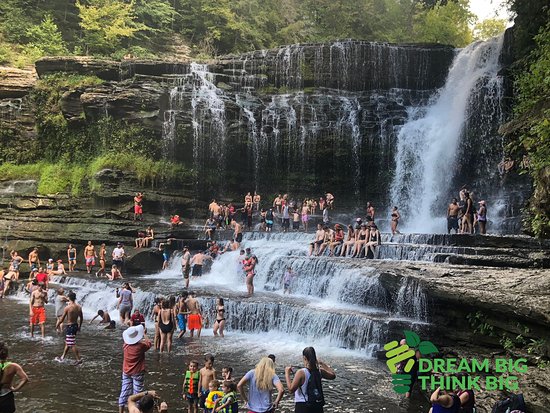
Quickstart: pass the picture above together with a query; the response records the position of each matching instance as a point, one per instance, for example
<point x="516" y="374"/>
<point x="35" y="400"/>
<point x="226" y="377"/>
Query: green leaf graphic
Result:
<point x="427" y="347"/>
<point x="412" y="338"/>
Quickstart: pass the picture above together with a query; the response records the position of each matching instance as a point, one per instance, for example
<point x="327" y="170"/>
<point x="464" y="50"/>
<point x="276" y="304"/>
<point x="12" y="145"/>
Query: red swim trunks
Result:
<point x="138" y="209"/>
<point x="38" y="315"/>
<point x="194" y="322"/>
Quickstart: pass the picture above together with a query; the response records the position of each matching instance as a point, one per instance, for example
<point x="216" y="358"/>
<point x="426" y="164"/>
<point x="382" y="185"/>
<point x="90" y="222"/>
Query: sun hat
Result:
<point x="132" y="335"/>
<point x="358" y="220"/>
<point x="482" y="202"/>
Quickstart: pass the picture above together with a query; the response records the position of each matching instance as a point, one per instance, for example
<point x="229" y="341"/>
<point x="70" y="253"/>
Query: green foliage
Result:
<point x="46" y="38"/>
<point x="532" y="112"/>
<point x="147" y="28"/>
<point x="10" y="171"/>
<point x="478" y="321"/>
<point x="446" y="23"/>
<point x="74" y="179"/>
<point x="106" y="23"/>
<point x="489" y="28"/>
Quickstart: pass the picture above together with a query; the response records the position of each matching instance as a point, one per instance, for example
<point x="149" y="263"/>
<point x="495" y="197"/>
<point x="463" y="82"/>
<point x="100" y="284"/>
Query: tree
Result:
<point x="46" y="38"/>
<point x="489" y="28"/>
<point x="445" y="23"/>
<point x="106" y="23"/>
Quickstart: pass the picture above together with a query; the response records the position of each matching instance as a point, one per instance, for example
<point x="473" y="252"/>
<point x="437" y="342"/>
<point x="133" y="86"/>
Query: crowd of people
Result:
<point x="464" y="218"/>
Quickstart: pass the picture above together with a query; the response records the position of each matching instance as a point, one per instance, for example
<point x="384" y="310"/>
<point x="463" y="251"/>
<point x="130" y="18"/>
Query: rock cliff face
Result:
<point x="323" y="115"/>
<point x="16" y="112"/>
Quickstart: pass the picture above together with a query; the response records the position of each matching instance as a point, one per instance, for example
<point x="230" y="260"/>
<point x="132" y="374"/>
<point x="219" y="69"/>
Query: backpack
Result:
<point x="314" y="390"/>
<point x="514" y="402"/>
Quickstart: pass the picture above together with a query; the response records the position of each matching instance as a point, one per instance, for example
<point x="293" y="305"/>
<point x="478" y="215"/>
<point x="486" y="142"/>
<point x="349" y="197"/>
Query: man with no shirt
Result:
<point x="319" y="239"/>
<point x="186" y="265"/>
<point x="238" y="233"/>
<point x="37" y="312"/>
<point x="73" y="313"/>
<point x="89" y="256"/>
<point x="197" y="262"/>
<point x="194" y="319"/>
<point x="34" y="260"/>
<point x="452" y="216"/>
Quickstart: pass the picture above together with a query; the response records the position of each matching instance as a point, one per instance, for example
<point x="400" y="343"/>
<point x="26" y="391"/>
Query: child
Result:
<point x="287" y="280"/>
<point x="227" y="373"/>
<point x="207" y="375"/>
<point x="228" y="403"/>
<point x="296" y="220"/>
<point x="191" y="384"/>
<point x="213" y="396"/>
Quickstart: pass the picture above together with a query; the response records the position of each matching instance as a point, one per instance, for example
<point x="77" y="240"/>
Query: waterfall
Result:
<point x="431" y="146"/>
<point x="321" y="116"/>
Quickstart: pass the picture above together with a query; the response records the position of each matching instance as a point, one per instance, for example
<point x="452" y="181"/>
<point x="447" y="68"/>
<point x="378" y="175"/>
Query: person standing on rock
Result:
<point x="468" y="214"/>
<point x="482" y="217"/>
<point x="395" y="216"/>
<point x="89" y="256"/>
<point x="73" y="313"/>
<point x="238" y="231"/>
<point x="452" y="216"/>
<point x="71" y="257"/>
<point x="118" y="256"/>
<point x="16" y="261"/>
<point x="102" y="261"/>
<point x="186" y="265"/>
<point x="138" y="207"/>
<point x="256" y="200"/>
<point x="34" y="260"/>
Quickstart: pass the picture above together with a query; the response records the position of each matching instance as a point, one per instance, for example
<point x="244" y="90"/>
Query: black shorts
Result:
<point x="295" y="224"/>
<point x="7" y="403"/>
<point x="239" y="237"/>
<point x="286" y="222"/>
<point x="197" y="270"/>
<point x="192" y="398"/>
<point x="452" y="223"/>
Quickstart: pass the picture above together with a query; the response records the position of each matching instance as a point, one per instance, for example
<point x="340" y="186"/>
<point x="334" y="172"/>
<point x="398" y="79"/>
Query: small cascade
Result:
<point x="196" y="92"/>
<point x="411" y="300"/>
<point x="435" y="154"/>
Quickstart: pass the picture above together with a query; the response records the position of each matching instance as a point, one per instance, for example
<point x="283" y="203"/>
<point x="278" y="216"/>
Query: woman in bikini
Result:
<point x="156" y="313"/>
<point x="219" y="324"/>
<point x="166" y="326"/>
<point x="362" y="237"/>
<point x="349" y="242"/>
<point x="12" y="379"/>
<point x="102" y="253"/>
<point x="394" y="220"/>
<point x="71" y="256"/>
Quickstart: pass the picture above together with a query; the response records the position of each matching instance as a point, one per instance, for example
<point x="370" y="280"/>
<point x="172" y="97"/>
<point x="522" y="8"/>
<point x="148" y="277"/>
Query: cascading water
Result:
<point x="431" y="146"/>
<point x="313" y="115"/>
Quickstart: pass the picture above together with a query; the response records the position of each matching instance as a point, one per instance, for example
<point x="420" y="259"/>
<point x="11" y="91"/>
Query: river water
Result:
<point x="334" y="308"/>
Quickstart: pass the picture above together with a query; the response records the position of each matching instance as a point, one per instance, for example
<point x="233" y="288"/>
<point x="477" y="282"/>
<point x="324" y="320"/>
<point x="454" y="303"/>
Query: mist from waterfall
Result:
<point x="429" y="144"/>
